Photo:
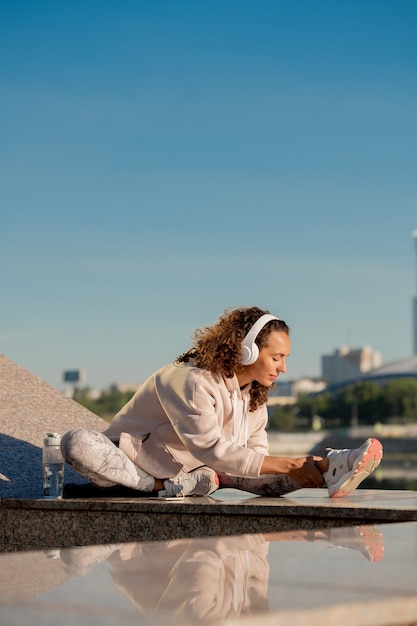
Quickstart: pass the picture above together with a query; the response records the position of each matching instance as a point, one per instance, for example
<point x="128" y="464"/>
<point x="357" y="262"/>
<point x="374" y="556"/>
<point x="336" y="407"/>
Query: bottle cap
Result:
<point x="52" y="439"/>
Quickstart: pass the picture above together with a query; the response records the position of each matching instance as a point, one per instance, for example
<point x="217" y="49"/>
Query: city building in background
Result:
<point x="287" y="392"/>
<point x="347" y="363"/>
<point x="405" y="368"/>
<point x="300" y="387"/>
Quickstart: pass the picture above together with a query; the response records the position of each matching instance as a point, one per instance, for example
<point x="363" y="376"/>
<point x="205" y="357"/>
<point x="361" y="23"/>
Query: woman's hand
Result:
<point x="305" y="472"/>
<point x="303" y="469"/>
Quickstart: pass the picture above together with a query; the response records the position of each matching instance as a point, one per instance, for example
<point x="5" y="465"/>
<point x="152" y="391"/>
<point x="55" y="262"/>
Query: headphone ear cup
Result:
<point x="255" y="353"/>
<point x="246" y="355"/>
<point x="249" y="355"/>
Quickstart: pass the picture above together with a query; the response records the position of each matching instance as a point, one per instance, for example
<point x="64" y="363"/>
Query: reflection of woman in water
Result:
<point x="201" y="422"/>
<point x="209" y="579"/>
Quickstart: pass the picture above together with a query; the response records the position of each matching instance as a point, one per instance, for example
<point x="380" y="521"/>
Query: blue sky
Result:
<point x="163" y="161"/>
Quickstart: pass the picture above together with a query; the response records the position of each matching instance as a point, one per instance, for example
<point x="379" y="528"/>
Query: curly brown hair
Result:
<point x="217" y="348"/>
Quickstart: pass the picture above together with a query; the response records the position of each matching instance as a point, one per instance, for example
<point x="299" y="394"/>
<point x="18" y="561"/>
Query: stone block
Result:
<point x="29" y="408"/>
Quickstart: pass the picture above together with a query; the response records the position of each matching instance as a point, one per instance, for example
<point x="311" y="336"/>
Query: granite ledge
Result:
<point x="33" y="523"/>
<point x="310" y="502"/>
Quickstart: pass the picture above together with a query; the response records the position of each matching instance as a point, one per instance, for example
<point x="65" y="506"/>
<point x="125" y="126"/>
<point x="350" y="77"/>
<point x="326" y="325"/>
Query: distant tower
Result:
<point x="414" y="233"/>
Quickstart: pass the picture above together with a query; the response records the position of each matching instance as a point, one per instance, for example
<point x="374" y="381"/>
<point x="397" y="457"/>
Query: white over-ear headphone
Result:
<point x="250" y="350"/>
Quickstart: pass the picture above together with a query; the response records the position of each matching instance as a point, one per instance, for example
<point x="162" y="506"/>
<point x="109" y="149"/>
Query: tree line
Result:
<point x="362" y="403"/>
<point x="107" y="403"/>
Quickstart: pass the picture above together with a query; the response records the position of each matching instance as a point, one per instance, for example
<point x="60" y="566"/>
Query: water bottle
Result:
<point x="52" y="466"/>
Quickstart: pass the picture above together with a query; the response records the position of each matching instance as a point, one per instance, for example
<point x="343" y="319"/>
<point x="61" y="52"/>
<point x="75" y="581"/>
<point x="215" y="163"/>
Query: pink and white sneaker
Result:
<point x="348" y="468"/>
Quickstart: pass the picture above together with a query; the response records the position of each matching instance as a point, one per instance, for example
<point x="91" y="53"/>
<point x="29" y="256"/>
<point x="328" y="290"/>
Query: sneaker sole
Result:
<point x="370" y="460"/>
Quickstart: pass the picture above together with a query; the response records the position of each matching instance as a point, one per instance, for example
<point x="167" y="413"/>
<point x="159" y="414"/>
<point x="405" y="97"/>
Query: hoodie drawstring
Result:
<point x="245" y="418"/>
<point x="234" y="410"/>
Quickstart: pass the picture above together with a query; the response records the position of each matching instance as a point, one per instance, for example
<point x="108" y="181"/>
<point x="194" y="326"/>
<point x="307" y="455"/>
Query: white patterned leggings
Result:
<point x="96" y="457"/>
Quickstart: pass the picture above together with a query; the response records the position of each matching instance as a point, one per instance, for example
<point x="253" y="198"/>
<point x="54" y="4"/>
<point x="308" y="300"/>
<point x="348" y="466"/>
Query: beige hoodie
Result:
<point x="183" y="417"/>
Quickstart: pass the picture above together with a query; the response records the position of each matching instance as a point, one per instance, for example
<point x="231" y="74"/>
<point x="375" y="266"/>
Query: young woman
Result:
<point x="200" y="423"/>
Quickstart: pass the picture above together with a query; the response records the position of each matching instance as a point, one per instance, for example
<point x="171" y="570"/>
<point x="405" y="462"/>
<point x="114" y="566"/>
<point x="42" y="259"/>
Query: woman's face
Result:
<point x="270" y="362"/>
